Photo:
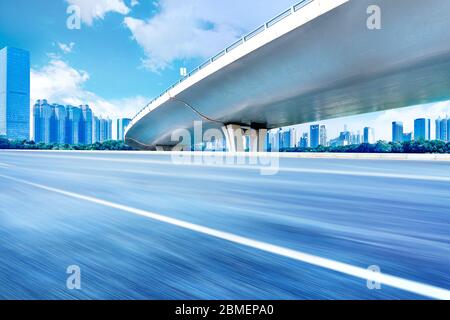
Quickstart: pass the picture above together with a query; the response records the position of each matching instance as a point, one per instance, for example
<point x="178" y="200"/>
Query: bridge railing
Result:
<point x="230" y="48"/>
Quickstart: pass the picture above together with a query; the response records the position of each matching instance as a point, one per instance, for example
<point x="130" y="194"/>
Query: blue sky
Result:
<point x="128" y="51"/>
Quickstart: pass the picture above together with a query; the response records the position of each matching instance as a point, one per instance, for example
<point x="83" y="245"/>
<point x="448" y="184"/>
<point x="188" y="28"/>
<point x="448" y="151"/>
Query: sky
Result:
<point x="128" y="51"/>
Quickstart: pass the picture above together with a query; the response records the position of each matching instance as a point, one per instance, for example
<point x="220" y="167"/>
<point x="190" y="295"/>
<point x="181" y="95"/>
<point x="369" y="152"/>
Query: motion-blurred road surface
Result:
<point x="133" y="224"/>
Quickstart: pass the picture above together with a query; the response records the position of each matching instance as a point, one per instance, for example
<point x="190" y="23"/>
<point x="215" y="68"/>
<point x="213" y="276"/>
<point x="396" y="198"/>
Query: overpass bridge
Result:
<point x="317" y="60"/>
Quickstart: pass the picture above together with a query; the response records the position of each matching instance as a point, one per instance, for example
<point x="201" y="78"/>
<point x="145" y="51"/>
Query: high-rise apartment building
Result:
<point x="65" y="125"/>
<point x="293" y="138"/>
<point x="60" y="123"/>
<point x="369" y="135"/>
<point x="85" y="125"/>
<point x="438" y="129"/>
<point x="443" y="129"/>
<point x="323" y="136"/>
<point x="44" y="118"/>
<point x="73" y="130"/>
<point x="397" y="131"/>
<point x="448" y="129"/>
<point x="422" y="129"/>
<point x="105" y="126"/>
<point x="14" y="94"/>
<point x="95" y="130"/>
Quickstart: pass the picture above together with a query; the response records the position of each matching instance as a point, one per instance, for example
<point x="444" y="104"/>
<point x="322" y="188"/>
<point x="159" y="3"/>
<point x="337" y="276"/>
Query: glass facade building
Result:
<point x="65" y="125"/>
<point x="14" y="94"/>
<point x="105" y="126"/>
<point x="85" y="125"/>
<point x="314" y="134"/>
<point x="422" y="129"/>
<point x="122" y="125"/>
<point x="442" y="129"/>
<point x="397" y="131"/>
<point x="285" y="139"/>
<point x="369" y="135"/>
<point x="323" y="136"/>
<point x="95" y="130"/>
<point x="59" y="129"/>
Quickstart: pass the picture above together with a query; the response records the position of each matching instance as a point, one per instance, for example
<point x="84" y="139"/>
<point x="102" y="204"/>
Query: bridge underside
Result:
<point x="333" y="66"/>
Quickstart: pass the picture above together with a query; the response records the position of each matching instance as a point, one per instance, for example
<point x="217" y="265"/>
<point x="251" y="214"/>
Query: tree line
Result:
<point x="419" y="146"/>
<point x="434" y="146"/>
<point x="31" y="145"/>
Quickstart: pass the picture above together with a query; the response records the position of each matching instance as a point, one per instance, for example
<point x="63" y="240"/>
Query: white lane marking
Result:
<point x="259" y="168"/>
<point x="4" y="165"/>
<point x="389" y="280"/>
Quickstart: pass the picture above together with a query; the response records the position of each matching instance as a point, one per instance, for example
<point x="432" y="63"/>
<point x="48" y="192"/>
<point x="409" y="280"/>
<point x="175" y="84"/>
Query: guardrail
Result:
<point x="238" y="43"/>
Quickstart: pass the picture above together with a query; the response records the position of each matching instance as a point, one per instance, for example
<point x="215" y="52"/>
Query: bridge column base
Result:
<point x="164" y="148"/>
<point x="262" y="140"/>
<point x="235" y="134"/>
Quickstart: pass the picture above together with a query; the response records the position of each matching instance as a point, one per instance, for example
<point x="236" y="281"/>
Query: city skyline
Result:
<point x="318" y="134"/>
<point x="69" y="66"/>
<point x="382" y="121"/>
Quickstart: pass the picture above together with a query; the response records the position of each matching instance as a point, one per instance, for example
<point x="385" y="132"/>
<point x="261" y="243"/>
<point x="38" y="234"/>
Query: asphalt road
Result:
<point x="143" y="227"/>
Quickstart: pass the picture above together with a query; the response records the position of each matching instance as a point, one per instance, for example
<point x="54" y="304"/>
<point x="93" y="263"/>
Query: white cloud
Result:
<point x="92" y="10"/>
<point x="58" y="82"/>
<point x="198" y="28"/>
<point x="134" y="3"/>
<point x="66" y="48"/>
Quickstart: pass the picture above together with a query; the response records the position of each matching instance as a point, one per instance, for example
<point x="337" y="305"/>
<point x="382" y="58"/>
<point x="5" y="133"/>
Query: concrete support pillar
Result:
<point x="262" y="140"/>
<point x="234" y="137"/>
<point x="253" y="134"/>
<point x="164" y="148"/>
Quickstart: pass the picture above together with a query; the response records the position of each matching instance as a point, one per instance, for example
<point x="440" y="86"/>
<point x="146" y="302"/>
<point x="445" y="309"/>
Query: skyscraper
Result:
<point x="438" y="129"/>
<point x="293" y="136"/>
<point x="369" y="135"/>
<point x="14" y="94"/>
<point x="105" y="129"/>
<point x="85" y="125"/>
<point x="60" y="121"/>
<point x="274" y="141"/>
<point x="323" y="136"/>
<point x="444" y="132"/>
<point x="448" y="129"/>
<point x="122" y="125"/>
<point x="36" y="137"/>
<point x="422" y="128"/>
<point x="314" y="135"/>
<point x="397" y="131"/>
<point x="96" y="130"/>
<point x="73" y="125"/>
<point x="304" y="141"/>
<point x="285" y="139"/>
<point x="43" y="121"/>
<point x="345" y="137"/>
